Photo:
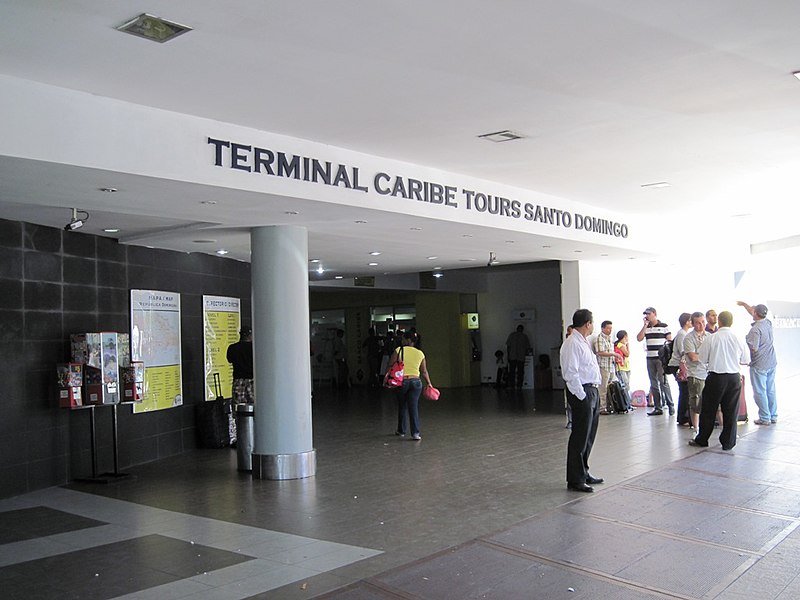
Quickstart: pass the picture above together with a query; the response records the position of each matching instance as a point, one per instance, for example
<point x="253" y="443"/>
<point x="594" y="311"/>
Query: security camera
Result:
<point x="75" y="222"/>
<point x="73" y="225"/>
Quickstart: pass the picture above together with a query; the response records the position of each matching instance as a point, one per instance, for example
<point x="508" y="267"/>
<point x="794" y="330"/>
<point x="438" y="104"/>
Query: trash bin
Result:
<point x="244" y="436"/>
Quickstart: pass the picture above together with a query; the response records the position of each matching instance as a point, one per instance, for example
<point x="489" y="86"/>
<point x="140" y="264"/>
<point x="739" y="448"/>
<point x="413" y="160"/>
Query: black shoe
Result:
<point x="697" y="444"/>
<point x="594" y="480"/>
<point x="671" y="411"/>
<point x="727" y="449"/>
<point x="657" y="411"/>
<point x="580" y="487"/>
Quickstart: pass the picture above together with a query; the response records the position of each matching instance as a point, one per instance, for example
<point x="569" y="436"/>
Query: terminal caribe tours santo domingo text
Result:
<point x="252" y="159"/>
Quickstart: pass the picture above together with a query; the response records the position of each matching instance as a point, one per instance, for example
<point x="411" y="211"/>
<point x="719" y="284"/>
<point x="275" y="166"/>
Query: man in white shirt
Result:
<point x="722" y="354"/>
<point x="581" y="375"/>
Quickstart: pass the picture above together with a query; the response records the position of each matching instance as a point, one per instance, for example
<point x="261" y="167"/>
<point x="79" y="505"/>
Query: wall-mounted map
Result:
<point x="156" y="341"/>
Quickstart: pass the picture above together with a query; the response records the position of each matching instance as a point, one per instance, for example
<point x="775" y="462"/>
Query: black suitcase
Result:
<point x="616" y="397"/>
<point x="212" y="421"/>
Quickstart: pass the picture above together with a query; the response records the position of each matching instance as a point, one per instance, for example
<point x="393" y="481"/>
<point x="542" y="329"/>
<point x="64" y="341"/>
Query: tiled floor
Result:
<point x="478" y="508"/>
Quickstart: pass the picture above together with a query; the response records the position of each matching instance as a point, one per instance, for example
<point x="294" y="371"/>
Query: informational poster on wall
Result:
<point x="156" y="341"/>
<point x="221" y="324"/>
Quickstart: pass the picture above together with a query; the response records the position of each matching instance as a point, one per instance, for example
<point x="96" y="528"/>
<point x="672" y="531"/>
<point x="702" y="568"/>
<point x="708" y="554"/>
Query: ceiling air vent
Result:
<point x="501" y="136"/>
<point x="153" y="28"/>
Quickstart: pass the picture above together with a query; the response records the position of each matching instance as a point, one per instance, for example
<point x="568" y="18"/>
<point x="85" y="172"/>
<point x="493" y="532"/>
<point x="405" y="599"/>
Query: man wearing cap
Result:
<point x="722" y="353"/>
<point x="581" y="375"/>
<point x="763" y="363"/>
<point x="657" y="334"/>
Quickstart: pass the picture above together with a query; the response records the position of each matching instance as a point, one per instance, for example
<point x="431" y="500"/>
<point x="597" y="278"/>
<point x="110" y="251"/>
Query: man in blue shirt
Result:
<point x="763" y="364"/>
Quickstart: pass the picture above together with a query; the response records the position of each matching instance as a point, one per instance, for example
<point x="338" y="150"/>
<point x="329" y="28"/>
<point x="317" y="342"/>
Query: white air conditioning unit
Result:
<point x="524" y="314"/>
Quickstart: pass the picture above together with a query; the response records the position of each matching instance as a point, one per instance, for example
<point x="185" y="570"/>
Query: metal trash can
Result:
<point x="244" y="436"/>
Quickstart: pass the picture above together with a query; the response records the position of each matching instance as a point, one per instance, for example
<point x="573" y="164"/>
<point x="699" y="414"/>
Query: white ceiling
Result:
<point x="609" y="94"/>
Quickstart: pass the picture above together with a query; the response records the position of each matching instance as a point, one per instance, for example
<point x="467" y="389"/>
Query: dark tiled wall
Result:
<point x="53" y="283"/>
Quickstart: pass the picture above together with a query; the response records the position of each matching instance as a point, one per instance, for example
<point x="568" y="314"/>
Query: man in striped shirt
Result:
<point x="656" y="335"/>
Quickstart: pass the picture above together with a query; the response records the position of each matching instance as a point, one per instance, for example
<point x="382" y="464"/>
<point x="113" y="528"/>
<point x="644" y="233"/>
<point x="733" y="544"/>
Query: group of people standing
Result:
<point x="706" y="359"/>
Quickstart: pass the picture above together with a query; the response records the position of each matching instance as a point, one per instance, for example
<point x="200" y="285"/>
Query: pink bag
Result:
<point x="394" y="374"/>
<point x="639" y="398"/>
<point x="430" y="393"/>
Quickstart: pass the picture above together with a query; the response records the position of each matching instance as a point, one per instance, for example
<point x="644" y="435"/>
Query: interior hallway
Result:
<point x="478" y="508"/>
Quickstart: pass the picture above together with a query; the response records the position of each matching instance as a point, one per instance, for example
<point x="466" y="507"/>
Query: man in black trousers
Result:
<point x="582" y="377"/>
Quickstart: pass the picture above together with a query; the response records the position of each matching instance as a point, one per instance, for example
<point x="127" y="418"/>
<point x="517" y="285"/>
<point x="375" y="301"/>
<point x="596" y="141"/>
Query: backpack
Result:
<point x="665" y="355"/>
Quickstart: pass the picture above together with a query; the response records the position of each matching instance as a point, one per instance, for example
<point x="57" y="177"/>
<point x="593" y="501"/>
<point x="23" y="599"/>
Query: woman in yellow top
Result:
<point x="414" y="368"/>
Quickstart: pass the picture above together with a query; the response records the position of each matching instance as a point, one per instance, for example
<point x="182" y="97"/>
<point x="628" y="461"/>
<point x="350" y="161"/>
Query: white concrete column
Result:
<point x="283" y="446"/>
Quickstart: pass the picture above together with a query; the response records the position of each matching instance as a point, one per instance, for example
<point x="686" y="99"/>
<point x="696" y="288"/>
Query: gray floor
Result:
<point x="478" y="508"/>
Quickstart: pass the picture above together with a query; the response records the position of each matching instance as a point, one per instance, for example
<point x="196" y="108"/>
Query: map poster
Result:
<point x="156" y="341"/>
<point x="221" y="324"/>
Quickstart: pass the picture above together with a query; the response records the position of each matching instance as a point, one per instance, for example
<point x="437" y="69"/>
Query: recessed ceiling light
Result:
<point x="153" y="28"/>
<point x="436" y="268"/>
<point x="578" y="251"/>
<point x="338" y="277"/>
<point x="658" y="184"/>
<point x="631" y="258"/>
<point x="375" y="253"/>
<point x="314" y="260"/>
<point x="291" y="212"/>
<point x="415" y="228"/>
<point x="467" y="259"/>
<point x="108" y="190"/>
<point x="432" y="257"/>
<point x="604" y="255"/>
<point x="467" y="235"/>
<point x="438" y="274"/>
<point x="111" y="230"/>
<point x="510" y="241"/>
<point x="208" y="202"/>
<point x="546" y="246"/>
<point x="359" y="222"/>
<point x="222" y="252"/>
<point x="501" y="136"/>
<point x="320" y="270"/>
<point x="373" y="264"/>
<point x="205" y="241"/>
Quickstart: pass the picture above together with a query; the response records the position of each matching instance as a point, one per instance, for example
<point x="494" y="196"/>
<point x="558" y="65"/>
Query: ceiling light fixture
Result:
<point x="373" y="264"/>
<point x="108" y="190"/>
<point x="208" y="202"/>
<point x="796" y="74"/>
<point x="111" y="230"/>
<point x="375" y="253"/>
<point x="359" y="222"/>
<point x="438" y="274"/>
<point x="153" y="28"/>
<point x="222" y="252"/>
<point x="658" y="184"/>
<point x="320" y="270"/>
<point x="506" y="135"/>
<point x="291" y="212"/>
<point x="415" y="228"/>
<point x="338" y="277"/>
<point x="432" y="257"/>
<point x="314" y="260"/>
<point x="204" y="241"/>
<point x="75" y="222"/>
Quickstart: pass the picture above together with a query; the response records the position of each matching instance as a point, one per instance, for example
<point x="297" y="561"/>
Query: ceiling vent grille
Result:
<point x="501" y="136"/>
<point x="153" y="28"/>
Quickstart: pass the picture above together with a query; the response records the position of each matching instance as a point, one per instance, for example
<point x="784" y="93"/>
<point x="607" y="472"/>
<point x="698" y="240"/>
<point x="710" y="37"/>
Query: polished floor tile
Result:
<point x="490" y="463"/>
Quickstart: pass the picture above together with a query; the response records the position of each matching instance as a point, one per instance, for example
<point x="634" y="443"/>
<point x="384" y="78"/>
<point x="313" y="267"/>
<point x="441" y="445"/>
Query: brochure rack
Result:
<point x="100" y="374"/>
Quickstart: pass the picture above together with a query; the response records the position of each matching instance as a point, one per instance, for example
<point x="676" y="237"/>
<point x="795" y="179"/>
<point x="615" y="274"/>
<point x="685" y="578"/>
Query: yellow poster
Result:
<point x="156" y="341"/>
<point x="221" y="324"/>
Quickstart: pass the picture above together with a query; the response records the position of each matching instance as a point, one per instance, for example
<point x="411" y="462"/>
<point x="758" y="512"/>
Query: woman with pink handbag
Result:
<point x="414" y="370"/>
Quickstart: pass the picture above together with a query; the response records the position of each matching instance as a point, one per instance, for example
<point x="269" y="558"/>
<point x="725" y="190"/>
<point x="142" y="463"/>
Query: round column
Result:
<point x="283" y="445"/>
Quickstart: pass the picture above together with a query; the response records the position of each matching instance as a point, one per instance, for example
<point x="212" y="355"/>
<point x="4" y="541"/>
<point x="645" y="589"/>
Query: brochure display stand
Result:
<point x="101" y="374"/>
